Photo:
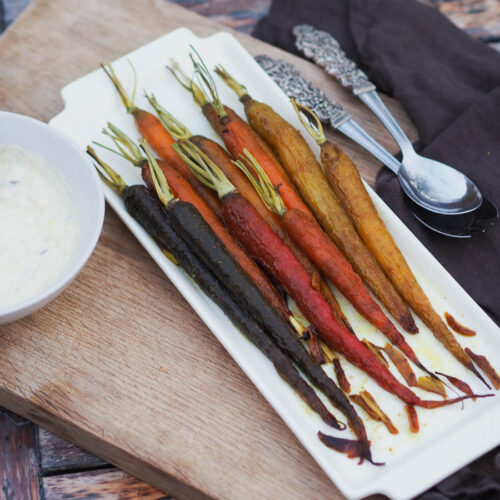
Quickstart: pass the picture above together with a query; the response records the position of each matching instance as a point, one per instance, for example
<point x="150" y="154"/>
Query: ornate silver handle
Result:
<point x="325" y="51"/>
<point x="294" y="85"/>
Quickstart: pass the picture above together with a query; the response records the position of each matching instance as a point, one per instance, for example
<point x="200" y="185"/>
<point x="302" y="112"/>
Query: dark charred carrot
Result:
<point x="220" y="157"/>
<point x="267" y="248"/>
<point x="144" y="206"/>
<point x="184" y="191"/>
<point x="457" y="327"/>
<point x="259" y="309"/>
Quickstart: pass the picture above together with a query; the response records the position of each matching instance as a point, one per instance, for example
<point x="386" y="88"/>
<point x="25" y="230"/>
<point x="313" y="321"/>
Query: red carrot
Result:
<point x="270" y="251"/>
<point x="314" y="242"/>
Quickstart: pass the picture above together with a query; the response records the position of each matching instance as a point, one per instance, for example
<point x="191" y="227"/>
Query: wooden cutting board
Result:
<point x="119" y="363"/>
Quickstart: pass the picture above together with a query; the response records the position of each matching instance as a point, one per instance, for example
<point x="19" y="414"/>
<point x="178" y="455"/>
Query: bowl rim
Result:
<point x="49" y="293"/>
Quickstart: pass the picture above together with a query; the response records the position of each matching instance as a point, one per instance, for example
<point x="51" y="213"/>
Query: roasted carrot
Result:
<point x="345" y="180"/>
<point x="144" y="206"/>
<point x="366" y="401"/>
<point x="267" y="248"/>
<point x="485" y="365"/>
<point x="219" y="156"/>
<point x="309" y="236"/>
<point x="237" y="134"/>
<point x="202" y="241"/>
<point x="457" y="327"/>
<point x="412" y="418"/>
<point x="184" y="191"/>
<point x="300" y="164"/>
<point x="153" y="130"/>
<point x="341" y="377"/>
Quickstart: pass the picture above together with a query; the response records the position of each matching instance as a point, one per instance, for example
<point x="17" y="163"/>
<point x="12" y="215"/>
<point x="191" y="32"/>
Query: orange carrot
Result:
<point x="157" y="136"/>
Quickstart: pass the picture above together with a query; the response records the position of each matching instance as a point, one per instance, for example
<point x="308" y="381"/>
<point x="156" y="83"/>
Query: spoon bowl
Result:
<point x="438" y="187"/>
<point x="457" y="226"/>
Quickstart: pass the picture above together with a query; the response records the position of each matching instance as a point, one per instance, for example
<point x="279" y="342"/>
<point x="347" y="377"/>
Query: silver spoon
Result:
<point x="294" y="85"/>
<point x="431" y="184"/>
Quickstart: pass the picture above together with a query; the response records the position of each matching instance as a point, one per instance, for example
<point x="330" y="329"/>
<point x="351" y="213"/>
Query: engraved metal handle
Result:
<point x="328" y="111"/>
<point x="325" y="51"/>
<point x="294" y="85"/>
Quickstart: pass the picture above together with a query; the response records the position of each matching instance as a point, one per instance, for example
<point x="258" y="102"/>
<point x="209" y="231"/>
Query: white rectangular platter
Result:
<point x="449" y="437"/>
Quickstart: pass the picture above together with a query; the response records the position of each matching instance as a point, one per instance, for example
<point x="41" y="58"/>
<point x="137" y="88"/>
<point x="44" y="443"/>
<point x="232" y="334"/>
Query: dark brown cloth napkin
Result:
<point x="448" y="83"/>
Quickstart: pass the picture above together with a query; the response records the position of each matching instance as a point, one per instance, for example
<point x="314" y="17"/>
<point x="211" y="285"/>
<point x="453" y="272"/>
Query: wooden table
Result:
<point x="36" y="464"/>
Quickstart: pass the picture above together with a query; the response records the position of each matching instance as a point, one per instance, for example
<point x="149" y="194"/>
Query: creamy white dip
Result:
<point x="39" y="229"/>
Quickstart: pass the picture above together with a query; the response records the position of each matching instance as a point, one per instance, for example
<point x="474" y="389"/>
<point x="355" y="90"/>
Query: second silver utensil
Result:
<point x="431" y="184"/>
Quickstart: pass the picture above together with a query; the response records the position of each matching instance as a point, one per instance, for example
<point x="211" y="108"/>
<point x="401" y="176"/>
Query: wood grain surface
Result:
<point x="18" y="460"/>
<point x="99" y="484"/>
<point x="119" y="363"/>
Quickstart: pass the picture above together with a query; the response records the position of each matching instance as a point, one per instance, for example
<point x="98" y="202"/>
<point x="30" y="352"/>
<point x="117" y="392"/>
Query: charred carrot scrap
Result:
<point x="485" y="365"/>
<point x="145" y="207"/>
<point x="341" y="378"/>
<point x="348" y="446"/>
<point x="459" y="384"/>
<point x="310" y="237"/>
<point x="411" y="412"/>
<point x="220" y="157"/>
<point x="378" y="351"/>
<point x="401" y="365"/>
<point x="366" y="401"/>
<point x="457" y="327"/>
<point x="221" y="263"/>
<point x="301" y="166"/>
<point x="431" y="385"/>
<point x="184" y="191"/>
<point x="152" y="129"/>
<point x="316" y="350"/>
<point x="267" y="248"/>
<point x="345" y="180"/>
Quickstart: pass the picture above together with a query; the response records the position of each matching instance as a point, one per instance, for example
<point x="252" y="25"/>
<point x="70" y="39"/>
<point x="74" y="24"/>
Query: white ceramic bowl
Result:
<point x="86" y="191"/>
